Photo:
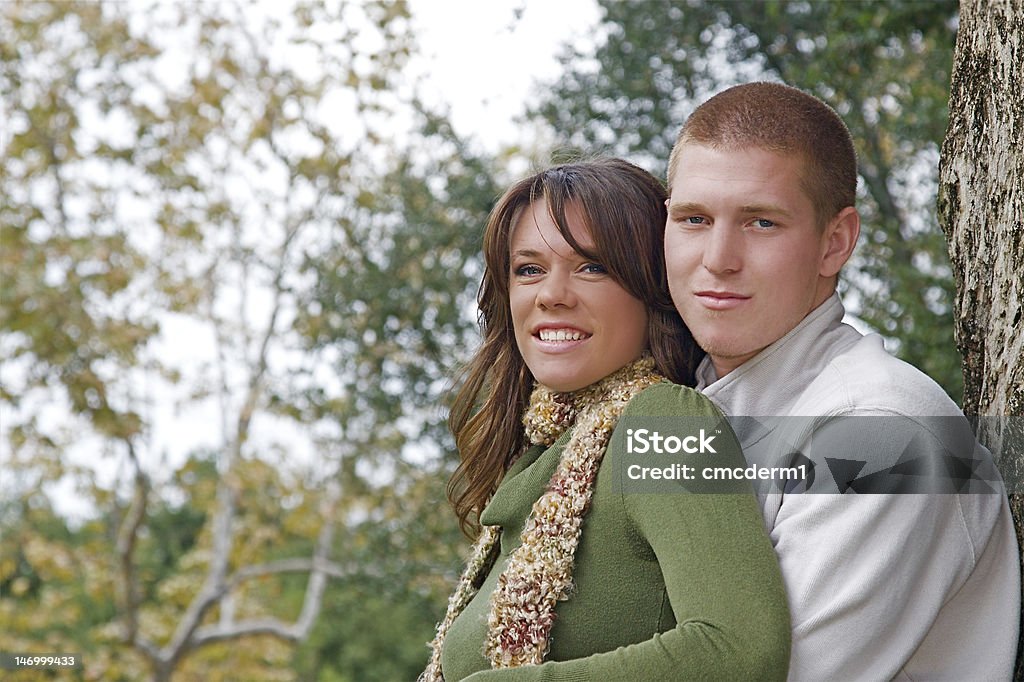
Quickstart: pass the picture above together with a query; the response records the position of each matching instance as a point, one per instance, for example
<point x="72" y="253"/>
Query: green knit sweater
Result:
<point x="667" y="586"/>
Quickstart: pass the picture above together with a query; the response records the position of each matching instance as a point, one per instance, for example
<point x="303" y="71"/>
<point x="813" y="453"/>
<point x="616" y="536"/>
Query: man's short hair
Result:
<point x="781" y="119"/>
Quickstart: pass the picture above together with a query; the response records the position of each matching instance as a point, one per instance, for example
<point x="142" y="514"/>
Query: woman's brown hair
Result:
<point x="623" y="207"/>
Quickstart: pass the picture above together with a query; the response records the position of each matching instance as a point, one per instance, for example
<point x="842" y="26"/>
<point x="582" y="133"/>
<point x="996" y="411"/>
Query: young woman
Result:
<point x="572" y="576"/>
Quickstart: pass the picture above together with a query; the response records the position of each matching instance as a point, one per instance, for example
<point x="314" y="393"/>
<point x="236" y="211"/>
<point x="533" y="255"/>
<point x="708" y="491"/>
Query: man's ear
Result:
<point x="837" y="244"/>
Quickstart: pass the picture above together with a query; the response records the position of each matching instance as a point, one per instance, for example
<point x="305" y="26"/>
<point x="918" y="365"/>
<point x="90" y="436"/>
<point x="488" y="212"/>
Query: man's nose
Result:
<point x="723" y="252"/>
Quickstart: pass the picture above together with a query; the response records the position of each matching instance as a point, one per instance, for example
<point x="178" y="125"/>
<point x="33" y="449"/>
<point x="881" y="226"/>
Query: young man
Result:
<point x="897" y="585"/>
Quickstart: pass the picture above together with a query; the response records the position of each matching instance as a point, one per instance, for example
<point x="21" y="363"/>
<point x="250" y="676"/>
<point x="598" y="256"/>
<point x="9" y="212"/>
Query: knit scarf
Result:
<point x="539" y="571"/>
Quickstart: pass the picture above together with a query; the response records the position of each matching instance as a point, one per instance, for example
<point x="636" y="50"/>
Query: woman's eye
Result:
<point x="595" y="269"/>
<point x="526" y="271"/>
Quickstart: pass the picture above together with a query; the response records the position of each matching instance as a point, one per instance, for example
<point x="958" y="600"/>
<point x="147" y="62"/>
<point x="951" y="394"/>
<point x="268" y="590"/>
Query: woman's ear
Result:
<point x="838" y="241"/>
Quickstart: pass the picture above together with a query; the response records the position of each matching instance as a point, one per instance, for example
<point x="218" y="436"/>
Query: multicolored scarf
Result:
<point x="539" y="571"/>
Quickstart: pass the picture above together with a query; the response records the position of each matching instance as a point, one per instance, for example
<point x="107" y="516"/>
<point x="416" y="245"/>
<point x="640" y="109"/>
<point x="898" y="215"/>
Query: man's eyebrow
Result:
<point x="685" y="207"/>
<point x="774" y="209"/>
<point x="747" y="209"/>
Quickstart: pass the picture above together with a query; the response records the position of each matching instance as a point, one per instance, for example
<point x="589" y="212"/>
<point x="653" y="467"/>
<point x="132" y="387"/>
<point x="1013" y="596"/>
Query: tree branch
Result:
<point x="217" y="585"/>
<point x="291" y="632"/>
<point x="127" y="539"/>
<point x="320" y="569"/>
<point x="328" y="568"/>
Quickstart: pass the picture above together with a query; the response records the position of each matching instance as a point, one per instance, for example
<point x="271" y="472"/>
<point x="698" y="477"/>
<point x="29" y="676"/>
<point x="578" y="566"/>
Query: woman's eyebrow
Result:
<point x="526" y="253"/>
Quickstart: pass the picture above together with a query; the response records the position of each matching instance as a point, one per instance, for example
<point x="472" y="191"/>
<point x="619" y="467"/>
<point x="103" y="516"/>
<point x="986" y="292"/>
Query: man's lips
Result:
<point x="721" y="300"/>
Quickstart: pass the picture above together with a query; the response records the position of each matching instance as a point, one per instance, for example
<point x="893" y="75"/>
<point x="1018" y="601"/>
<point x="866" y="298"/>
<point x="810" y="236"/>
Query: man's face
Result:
<point x="746" y="261"/>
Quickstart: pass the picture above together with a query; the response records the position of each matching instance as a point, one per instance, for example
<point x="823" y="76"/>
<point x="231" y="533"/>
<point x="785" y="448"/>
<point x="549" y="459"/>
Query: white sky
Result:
<point x="482" y="57"/>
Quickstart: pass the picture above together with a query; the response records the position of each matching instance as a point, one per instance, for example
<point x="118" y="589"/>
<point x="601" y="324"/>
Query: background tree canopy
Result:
<point x="207" y="208"/>
<point x="883" y="66"/>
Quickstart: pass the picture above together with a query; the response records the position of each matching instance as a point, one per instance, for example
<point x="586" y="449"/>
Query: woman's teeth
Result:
<point x="561" y="335"/>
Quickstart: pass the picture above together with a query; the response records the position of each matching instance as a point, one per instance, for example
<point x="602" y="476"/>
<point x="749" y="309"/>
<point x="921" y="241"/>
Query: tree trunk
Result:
<point x="981" y="209"/>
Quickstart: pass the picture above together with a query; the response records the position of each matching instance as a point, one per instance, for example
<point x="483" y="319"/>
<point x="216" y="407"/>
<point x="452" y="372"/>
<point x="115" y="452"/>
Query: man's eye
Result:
<point x="763" y="224"/>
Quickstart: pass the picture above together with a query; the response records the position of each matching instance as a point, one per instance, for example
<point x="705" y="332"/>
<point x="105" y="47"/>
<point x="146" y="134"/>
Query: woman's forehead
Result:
<point x="536" y="225"/>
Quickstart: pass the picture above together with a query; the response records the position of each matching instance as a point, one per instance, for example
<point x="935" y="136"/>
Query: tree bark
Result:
<point x="981" y="210"/>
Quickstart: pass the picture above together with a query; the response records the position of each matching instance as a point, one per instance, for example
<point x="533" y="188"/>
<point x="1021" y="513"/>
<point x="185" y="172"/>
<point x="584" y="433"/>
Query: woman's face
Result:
<point x="574" y="324"/>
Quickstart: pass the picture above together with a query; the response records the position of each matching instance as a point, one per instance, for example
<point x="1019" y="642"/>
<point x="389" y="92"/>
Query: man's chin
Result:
<point x="726" y="352"/>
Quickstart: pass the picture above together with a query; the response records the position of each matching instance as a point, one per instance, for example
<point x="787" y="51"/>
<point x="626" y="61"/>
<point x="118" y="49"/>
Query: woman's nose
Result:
<point x="556" y="290"/>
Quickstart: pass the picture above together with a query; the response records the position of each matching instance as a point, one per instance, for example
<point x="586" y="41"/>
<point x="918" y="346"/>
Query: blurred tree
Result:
<point x="394" y="305"/>
<point x="883" y="66"/>
<point x="189" y="209"/>
<point x="396" y="346"/>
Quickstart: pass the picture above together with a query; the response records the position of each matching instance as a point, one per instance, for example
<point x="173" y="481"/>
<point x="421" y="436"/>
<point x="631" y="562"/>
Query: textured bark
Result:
<point x="981" y="209"/>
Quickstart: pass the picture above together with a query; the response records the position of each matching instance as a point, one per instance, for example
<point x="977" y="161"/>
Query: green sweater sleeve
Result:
<point x="721" y="578"/>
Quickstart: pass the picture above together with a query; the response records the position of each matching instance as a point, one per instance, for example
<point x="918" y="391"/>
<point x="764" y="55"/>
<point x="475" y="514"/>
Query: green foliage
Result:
<point x="376" y="627"/>
<point x="66" y="280"/>
<point x="55" y="581"/>
<point x="383" y="633"/>
<point x="883" y="66"/>
<point x="396" y="349"/>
